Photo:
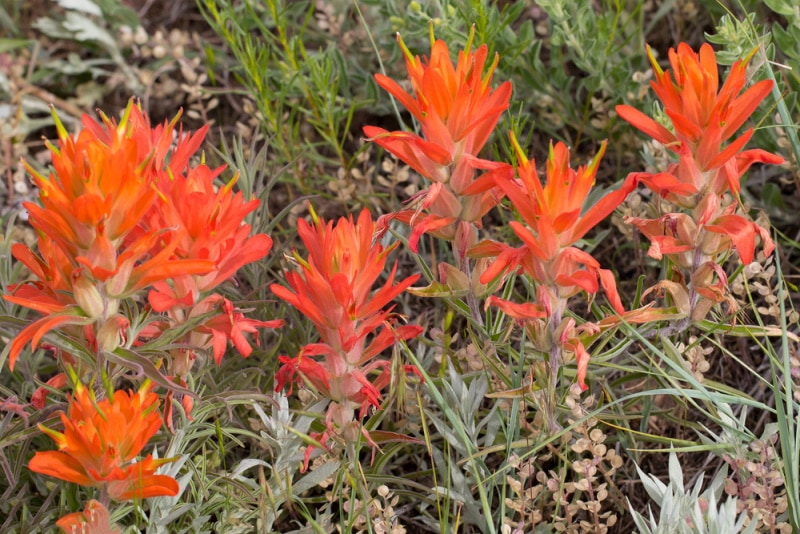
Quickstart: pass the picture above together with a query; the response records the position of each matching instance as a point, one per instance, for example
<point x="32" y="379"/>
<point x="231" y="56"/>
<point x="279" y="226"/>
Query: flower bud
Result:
<point x="113" y="332"/>
<point x="87" y="295"/>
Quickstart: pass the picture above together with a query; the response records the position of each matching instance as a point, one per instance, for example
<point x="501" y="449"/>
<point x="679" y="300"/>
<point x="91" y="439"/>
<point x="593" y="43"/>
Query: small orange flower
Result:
<point x="333" y="288"/>
<point x="214" y="222"/>
<point x="95" y="519"/>
<point x="555" y="220"/>
<point x="215" y="231"/>
<point x="457" y="111"/>
<point x="455" y="106"/>
<point x="101" y="188"/>
<point x="704" y="117"/>
<point x="100" y="442"/>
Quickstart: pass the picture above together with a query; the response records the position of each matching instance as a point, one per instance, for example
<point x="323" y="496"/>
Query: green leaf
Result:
<point x="772" y="196"/>
<point x="315" y="477"/>
<point x="787" y="40"/>
<point x="783" y="7"/>
<point x="85" y="29"/>
<point x="139" y="363"/>
<point x="12" y="44"/>
<point x="85" y="6"/>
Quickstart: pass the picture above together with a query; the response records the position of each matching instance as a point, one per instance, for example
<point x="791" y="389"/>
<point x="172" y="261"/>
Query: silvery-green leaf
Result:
<point x="86" y="6"/>
<point x="315" y="477"/>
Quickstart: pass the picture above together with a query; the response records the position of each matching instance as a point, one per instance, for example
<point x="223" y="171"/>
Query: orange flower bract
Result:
<point x="94" y="519"/>
<point x="457" y="110"/>
<point x="555" y="220"/>
<point x="334" y="290"/>
<point x="704" y="117"/>
<point x="101" y="441"/>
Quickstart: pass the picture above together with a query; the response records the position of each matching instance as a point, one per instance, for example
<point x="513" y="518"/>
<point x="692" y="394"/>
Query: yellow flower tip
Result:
<point x="158" y="192"/>
<point x="749" y="56"/>
<point x="33" y="171"/>
<point x="470" y="39"/>
<point x="487" y="78"/>
<point x="62" y="131"/>
<point x="175" y="119"/>
<point x="314" y="216"/>
<point x="299" y="259"/>
<point x="73" y="377"/>
<point x="521" y="157"/>
<point x="551" y="151"/>
<point x="406" y="52"/>
<point x="592" y="168"/>
<point x="56" y="436"/>
<point x="79" y="389"/>
<point x="126" y="115"/>
<point x="227" y="188"/>
<point x="656" y="67"/>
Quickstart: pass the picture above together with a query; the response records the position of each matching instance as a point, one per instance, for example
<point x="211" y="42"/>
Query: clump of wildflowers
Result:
<point x="90" y="256"/>
<point x="124" y="211"/>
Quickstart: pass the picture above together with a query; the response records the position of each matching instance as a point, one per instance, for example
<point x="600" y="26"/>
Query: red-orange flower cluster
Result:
<point x="457" y="111"/>
<point x="705" y="181"/>
<point x="333" y="288"/>
<point x="704" y="117"/>
<point x="101" y="441"/>
<point x="90" y="256"/>
<point x="124" y="211"/>
<point x="554" y="220"/>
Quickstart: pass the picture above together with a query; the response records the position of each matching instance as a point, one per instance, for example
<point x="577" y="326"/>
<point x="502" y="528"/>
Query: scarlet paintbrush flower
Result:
<point x="90" y="256"/>
<point x="457" y="111"/>
<point x="98" y="193"/>
<point x="555" y="220"/>
<point x="334" y="286"/>
<point x="704" y="117"/>
<point x="95" y="519"/>
<point x="455" y="106"/>
<point x="334" y="289"/>
<point x="101" y="441"/>
<point x="705" y="181"/>
<point x="215" y="230"/>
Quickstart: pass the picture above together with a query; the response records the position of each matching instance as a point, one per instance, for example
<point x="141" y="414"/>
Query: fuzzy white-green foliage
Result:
<point x="689" y="513"/>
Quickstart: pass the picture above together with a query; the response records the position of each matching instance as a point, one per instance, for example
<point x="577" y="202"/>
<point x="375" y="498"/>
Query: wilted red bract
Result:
<point x="94" y="519"/>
